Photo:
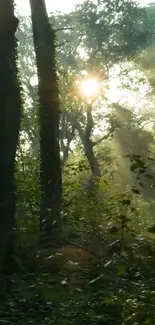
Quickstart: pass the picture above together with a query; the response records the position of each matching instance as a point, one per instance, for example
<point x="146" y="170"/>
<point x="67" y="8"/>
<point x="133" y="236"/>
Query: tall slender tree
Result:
<point x="9" y="128"/>
<point x="49" y="114"/>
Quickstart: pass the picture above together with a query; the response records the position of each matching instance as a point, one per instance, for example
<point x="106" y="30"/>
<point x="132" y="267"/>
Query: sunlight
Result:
<point x="23" y="7"/>
<point x="89" y="88"/>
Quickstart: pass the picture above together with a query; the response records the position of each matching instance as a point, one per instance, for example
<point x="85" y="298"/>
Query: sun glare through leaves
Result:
<point x="89" y="88"/>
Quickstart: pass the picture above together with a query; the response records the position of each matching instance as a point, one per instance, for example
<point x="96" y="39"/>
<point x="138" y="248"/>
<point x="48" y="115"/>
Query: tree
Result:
<point x="28" y="76"/>
<point x="10" y="104"/>
<point x="88" y="144"/>
<point x="114" y="31"/>
<point x="49" y="114"/>
<point x="147" y="57"/>
<point x="107" y="42"/>
<point x="111" y="32"/>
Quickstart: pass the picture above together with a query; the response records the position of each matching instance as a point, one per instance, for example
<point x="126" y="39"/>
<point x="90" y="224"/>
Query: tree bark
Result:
<point x="49" y="115"/>
<point x="89" y="152"/>
<point x="88" y="143"/>
<point x="9" y="129"/>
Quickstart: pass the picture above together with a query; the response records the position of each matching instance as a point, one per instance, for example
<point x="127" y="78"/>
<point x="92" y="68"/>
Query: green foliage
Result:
<point x="27" y="184"/>
<point x="114" y="30"/>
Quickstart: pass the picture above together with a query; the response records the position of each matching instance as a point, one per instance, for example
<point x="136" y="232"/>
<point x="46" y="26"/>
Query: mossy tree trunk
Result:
<point x="49" y="114"/>
<point x="9" y="129"/>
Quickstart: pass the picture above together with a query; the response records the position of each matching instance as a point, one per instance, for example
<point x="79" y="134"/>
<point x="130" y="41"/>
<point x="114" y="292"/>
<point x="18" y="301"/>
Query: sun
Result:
<point x="89" y="88"/>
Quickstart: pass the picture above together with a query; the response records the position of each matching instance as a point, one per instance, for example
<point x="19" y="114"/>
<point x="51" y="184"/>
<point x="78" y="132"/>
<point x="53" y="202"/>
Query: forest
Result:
<point x="77" y="164"/>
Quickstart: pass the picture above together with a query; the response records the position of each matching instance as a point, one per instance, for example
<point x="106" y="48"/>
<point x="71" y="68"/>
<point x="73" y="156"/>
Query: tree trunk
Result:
<point x="88" y="143"/>
<point x="93" y="163"/>
<point x="49" y="115"/>
<point x="9" y="129"/>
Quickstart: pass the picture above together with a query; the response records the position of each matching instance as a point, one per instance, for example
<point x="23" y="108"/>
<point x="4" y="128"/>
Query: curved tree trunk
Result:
<point x="9" y="129"/>
<point x="93" y="162"/>
<point x="49" y="114"/>
<point x="88" y="144"/>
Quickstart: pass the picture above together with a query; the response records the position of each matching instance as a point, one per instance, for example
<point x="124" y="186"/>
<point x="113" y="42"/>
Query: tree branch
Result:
<point x="90" y="122"/>
<point x="61" y="44"/>
<point x="105" y="137"/>
<point x="79" y="41"/>
<point x="64" y="28"/>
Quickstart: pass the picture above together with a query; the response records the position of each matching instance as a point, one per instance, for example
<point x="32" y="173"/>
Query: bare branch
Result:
<point x="64" y="28"/>
<point x="63" y="43"/>
<point x="105" y="137"/>
<point x="79" y="41"/>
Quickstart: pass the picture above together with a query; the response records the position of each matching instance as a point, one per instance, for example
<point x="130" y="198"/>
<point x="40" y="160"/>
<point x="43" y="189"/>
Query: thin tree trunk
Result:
<point x="9" y="129"/>
<point x="88" y="144"/>
<point x="93" y="163"/>
<point x="49" y="115"/>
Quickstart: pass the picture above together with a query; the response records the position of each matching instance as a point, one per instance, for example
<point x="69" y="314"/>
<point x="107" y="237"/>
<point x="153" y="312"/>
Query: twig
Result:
<point x="63" y="43"/>
<point x="64" y="28"/>
<point x="105" y="137"/>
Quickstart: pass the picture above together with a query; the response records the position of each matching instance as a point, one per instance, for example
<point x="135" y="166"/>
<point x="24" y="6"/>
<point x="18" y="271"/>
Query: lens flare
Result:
<point x="89" y="88"/>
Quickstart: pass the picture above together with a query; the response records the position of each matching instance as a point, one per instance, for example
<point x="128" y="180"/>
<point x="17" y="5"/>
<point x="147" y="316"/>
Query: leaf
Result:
<point x="49" y="257"/>
<point x="149" y="176"/>
<point x="136" y="156"/>
<point x="134" y="167"/>
<point x="64" y="281"/>
<point x="121" y="269"/>
<point x="152" y="159"/>
<point x="138" y="164"/>
<point x="114" y="230"/>
<point x="32" y="286"/>
<point x="141" y="184"/>
<point x="126" y="202"/>
<point x="123" y="217"/>
<point x="135" y="190"/>
<point x="96" y="279"/>
<point x="141" y="171"/>
<point x="152" y="229"/>
<point x="108" y="263"/>
<point x="78" y="289"/>
<point x="71" y="262"/>
<point x="113" y="244"/>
